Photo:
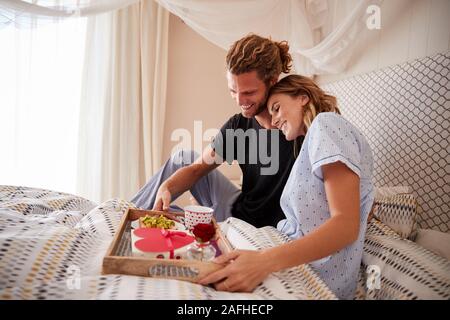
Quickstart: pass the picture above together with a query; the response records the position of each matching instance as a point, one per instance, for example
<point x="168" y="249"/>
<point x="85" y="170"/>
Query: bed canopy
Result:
<point x="321" y="33"/>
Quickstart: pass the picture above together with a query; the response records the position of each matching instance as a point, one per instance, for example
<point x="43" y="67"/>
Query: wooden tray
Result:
<point x="188" y="270"/>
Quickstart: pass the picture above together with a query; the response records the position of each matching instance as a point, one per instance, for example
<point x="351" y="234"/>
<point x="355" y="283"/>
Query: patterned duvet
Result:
<point x="52" y="245"/>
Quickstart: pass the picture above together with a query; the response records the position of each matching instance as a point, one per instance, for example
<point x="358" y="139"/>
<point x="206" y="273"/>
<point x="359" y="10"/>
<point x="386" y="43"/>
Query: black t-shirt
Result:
<point x="265" y="158"/>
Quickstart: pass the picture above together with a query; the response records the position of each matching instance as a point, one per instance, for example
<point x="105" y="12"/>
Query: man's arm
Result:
<point x="184" y="178"/>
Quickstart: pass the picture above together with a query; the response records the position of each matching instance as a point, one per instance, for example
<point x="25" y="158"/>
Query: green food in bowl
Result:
<point x="157" y="222"/>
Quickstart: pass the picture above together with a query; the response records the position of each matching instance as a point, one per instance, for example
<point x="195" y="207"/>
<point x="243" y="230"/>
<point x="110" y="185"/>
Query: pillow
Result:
<point x="438" y="242"/>
<point x="381" y="192"/>
<point x="398" y="212"/>
<point x="405" y="270"/>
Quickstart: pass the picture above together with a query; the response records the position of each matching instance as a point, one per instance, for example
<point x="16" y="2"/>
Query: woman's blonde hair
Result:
<point x="254" y="53"/>
<point x="296" y="85"/>
<point x="319" y="101"/>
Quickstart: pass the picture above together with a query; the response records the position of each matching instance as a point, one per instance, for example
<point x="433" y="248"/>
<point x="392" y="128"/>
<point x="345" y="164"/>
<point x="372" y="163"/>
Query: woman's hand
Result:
<point x="244" y="272"/>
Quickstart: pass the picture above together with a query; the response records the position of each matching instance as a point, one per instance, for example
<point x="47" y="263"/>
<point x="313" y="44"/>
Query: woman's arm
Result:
<point x="249" y="268"/>
<point x="342" y="229"/>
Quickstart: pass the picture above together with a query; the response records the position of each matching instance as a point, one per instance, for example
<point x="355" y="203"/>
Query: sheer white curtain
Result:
<point x="24" y="13"/>
<point x="118" y="130"/>
<point x="321" y="39"/>
<point x="123" y="100"/>
<point x="40" y="82"/>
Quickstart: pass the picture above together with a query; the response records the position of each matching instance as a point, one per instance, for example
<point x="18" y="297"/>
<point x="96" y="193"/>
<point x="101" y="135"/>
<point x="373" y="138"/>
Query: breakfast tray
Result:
<point x="119" y="258"/>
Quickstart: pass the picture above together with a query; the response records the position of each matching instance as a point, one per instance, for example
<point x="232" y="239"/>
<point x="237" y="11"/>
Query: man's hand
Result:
<point x="162" y="201"/>
<point x="184" y="178"/>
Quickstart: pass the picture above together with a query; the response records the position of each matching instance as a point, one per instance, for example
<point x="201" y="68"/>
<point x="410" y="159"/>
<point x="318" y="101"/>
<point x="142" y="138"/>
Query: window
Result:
<point x="40" y="88"/>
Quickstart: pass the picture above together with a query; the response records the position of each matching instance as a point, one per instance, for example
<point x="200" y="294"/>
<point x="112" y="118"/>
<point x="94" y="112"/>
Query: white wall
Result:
<point x="410" y="29"/>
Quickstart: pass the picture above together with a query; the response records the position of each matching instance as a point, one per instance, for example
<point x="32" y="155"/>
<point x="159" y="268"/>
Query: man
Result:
<point x="254" y="64"/>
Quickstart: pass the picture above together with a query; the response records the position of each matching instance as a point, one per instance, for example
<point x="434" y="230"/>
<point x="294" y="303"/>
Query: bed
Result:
<point x="52" y="243"/>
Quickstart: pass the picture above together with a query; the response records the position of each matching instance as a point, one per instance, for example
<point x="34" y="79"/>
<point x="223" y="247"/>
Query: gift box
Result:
<point x="160" y="243"/>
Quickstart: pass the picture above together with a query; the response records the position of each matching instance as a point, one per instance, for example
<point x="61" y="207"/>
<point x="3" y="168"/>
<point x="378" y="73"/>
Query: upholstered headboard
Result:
<point x="404" y="111"/>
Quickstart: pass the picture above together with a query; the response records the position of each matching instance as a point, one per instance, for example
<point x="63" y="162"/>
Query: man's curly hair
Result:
<point x="268" y="58"/>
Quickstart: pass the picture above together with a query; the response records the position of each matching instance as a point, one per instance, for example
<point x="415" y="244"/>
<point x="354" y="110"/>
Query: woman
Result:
<point x="326" y="200"/>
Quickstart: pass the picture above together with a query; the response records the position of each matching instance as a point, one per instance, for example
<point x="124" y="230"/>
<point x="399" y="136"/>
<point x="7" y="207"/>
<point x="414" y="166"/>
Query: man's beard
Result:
<point x="263" y="104"/>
